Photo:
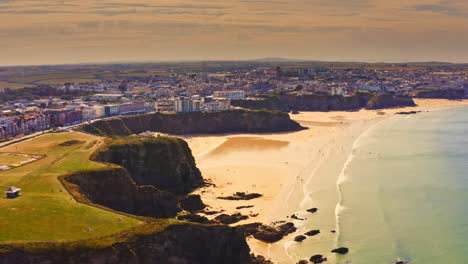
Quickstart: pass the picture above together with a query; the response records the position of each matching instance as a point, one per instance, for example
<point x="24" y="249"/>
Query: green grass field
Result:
<point x="46" y="211"/>
<point x="10" y="159"/>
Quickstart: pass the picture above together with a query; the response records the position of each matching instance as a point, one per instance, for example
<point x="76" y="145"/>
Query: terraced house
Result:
<point x="25" y="124"/>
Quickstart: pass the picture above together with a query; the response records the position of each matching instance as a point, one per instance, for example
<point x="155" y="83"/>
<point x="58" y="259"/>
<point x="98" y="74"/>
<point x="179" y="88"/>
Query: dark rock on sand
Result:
<point x="259" y="259"/>
<point x="303" y="262"/>
<point x="244" y="207"/>
<point x="341" y="250"/>
<point x="230" y="219"/>
<point x="300" y="238"/>
<point x="312" y="210"/>
<point x="241" y="196"/>
<point x="317" y="259"/>
<point x="249" y="229"/>
<point x="312" y="233"/>
<point x="271" y="234"/>
<point x="296" y="217"/>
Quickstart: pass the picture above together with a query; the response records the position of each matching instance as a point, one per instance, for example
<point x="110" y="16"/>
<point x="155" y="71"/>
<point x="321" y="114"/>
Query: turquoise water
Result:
<point x="405" y="191"/>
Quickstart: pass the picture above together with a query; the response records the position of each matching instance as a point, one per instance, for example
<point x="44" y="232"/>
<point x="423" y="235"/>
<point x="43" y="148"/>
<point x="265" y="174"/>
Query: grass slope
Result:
<point x="46" y="211"/>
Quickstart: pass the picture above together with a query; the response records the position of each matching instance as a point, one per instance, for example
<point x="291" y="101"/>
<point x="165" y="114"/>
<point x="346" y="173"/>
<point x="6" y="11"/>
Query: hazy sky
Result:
<point x="66" y="31"/>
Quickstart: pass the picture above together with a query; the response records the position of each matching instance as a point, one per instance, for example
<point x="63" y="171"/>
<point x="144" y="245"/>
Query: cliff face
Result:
<point x="237" y="121"/>
<point x="309" y="102"/>
<point x="381" y="101"/>
<point x="438" y="93"/>
<point x="176" y="244"/>
<point x="156" y="174"/>
<point x="115" y="189"/>
<point x="166" y="163"/>
<point x="323" y="102"/>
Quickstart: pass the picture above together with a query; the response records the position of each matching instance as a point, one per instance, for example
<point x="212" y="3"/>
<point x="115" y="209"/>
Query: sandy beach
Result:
<point x="293" y="171"/>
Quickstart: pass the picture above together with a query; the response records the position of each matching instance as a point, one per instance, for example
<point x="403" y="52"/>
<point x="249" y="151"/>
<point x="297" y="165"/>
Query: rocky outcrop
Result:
<point x="115" y="189"/>
<point x="152" y="179"/>
<point x="193" y="203"/>
<point x="236" y="121"/>
<point x="163" y="162"/>
<point x="230" y="219"/>
<point x="440" y="93"/>
<point x="268" y="234"/>
<point x="185" y="243"/>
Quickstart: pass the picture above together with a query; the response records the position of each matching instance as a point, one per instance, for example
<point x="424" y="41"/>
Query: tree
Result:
<point x="123" y="87"/>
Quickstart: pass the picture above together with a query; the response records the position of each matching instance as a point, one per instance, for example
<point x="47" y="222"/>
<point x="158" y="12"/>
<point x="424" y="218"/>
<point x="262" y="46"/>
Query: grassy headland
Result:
<point x="46" y="211"/>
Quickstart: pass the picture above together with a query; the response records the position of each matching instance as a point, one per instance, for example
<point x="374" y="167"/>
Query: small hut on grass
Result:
<point x="13" y="192"/>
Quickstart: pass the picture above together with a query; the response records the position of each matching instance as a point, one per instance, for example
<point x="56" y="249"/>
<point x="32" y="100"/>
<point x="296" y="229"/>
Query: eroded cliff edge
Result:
<point x="176" y="243"/>
<point x="146" y="176"/>
<point x="235" y="121"/>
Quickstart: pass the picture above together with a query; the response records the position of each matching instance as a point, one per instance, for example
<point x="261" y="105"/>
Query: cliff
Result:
<point x="178" y="243"/>
<point x="164" y="162"/>
<point x="382" y="101"/>
<point x="237" y="121"/>
<point x="115" y="189"/>
<point x="324" y="102"/>
<point x="152" y="177"/>
<point x="309" y="102"/>
<point x="438" y="93"/>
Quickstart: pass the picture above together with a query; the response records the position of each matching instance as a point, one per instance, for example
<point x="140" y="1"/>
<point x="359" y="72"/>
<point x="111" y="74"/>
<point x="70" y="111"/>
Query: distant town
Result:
<point x="55" y="106"/>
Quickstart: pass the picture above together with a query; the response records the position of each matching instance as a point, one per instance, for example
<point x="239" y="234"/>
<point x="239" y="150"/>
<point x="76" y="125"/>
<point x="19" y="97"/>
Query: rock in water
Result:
<point x="341" y="250"/>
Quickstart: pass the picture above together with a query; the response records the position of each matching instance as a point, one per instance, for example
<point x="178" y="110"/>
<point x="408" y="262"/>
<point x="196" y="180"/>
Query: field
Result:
<point x="12" y="85"/>
<point x="15" y="159"/>
<point x="46" y="211"/>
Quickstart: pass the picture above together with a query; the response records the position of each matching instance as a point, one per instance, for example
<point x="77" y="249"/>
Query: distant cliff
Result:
<point x="382" y="101"/>
<point x="156" y="174"/>
<point x="439" y="93"/>
<point x="237" y="121"/>
<point x="178" y="243"/>
<point x="324" y="102"/>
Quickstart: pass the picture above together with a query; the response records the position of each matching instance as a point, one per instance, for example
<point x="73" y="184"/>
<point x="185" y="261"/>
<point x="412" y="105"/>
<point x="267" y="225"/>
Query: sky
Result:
<point x="83" y="31"/>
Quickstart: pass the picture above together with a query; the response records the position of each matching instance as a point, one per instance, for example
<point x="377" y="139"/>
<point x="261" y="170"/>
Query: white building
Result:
<point x="233" y="94"/>
<point x="185" y="104"/>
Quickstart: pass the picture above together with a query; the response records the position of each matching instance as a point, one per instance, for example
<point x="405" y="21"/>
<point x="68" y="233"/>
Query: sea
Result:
<point x="400" y="192"/>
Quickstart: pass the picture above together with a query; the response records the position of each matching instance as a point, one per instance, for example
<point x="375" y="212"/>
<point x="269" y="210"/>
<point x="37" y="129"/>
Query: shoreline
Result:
<point x="302" y="174"/>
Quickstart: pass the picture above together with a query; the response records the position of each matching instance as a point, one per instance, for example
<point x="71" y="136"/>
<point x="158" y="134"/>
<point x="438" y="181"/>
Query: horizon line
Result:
<point x="259" y="60"/>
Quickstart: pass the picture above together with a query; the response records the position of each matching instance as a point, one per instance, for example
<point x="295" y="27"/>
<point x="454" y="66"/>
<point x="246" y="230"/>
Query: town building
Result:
<point x="185" y="104"/>
<point x="232" y="94"/>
